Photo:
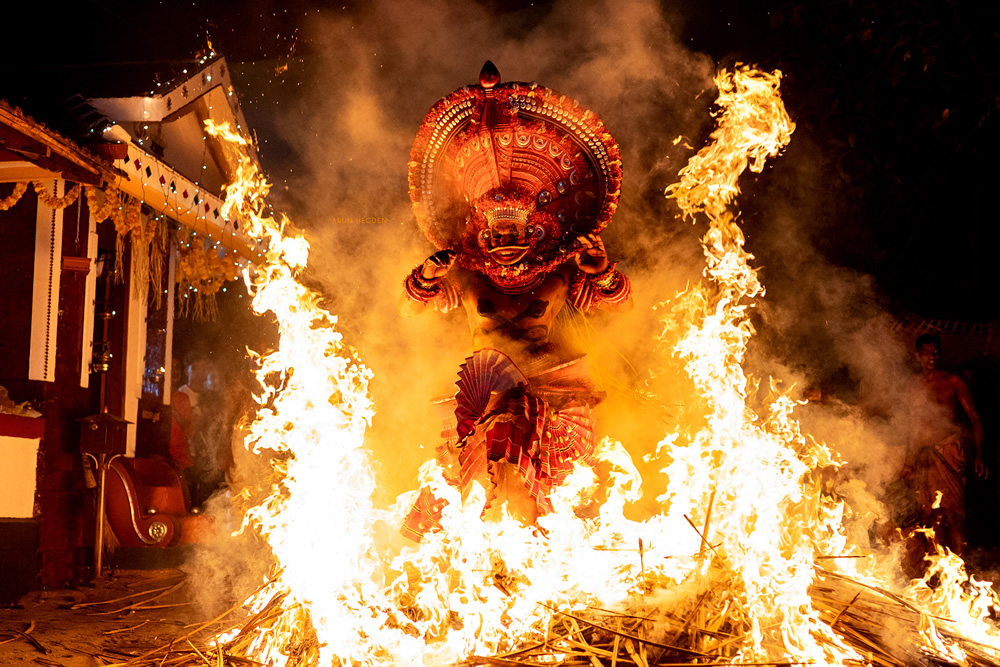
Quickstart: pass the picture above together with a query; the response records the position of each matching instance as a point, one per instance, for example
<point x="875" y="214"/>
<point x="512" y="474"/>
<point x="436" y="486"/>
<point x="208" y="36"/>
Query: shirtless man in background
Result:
<point x="938" y="452"/>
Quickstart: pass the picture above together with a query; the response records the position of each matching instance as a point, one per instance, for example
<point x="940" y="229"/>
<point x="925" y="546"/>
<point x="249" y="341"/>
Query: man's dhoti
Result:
<point x="941" y="468"/>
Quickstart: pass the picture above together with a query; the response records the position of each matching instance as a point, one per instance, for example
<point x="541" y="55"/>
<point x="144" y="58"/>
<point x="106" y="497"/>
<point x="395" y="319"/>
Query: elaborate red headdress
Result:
<point x="512" y="152"/>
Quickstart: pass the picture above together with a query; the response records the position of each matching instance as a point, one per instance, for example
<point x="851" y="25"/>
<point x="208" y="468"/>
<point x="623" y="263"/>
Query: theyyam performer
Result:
<point x="513" y="183"/>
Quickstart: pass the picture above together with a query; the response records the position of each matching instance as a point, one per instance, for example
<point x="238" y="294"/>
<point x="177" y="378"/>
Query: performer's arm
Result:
<point x="428" y="286"/>
<point x="598" y="284"/>
<point x="965" y="399"/>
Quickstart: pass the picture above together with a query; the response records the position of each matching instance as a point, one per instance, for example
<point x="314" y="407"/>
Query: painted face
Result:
<point x="507" y="241"/>
<point x="507" y="235"/>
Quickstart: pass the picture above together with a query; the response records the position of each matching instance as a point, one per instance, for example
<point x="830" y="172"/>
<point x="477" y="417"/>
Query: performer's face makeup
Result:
<point x="507" y="241"/>
<point x="507" y="235"/>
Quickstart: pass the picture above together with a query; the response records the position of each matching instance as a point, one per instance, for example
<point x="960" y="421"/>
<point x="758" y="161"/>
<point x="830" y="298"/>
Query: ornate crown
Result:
<point x="507" y="213"/>
<point x="525" y="141"/>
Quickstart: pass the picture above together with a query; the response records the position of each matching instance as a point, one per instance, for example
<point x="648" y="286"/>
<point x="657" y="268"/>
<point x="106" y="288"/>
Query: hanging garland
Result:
<point x="126" y="216"/>
<point x="201" y="271"/>
<point x="200" y="274"/>
<point x="148" y="239"/>
<point x="13" y="197"/>
<point x="43" y="193"/>
<point x="101" y="211"/>
<point x="51" y="200"/>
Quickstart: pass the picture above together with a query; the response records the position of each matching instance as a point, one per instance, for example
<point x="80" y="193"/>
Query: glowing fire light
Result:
<point x="744" y="514"/>
<point x="767" y="521"/>
<point x="311" y="421"/>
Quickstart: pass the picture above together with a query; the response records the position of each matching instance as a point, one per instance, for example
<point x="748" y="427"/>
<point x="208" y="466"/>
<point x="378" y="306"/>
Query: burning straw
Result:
<point x="726" y="574"/>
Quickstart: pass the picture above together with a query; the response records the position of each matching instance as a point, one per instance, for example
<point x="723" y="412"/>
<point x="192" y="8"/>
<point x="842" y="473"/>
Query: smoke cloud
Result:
<point x="374" y="77"/>
<point x="373" y="74"/>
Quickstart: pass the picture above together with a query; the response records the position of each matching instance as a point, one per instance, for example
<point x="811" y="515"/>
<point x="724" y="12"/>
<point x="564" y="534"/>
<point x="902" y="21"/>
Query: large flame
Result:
<point x="740" y="526"/>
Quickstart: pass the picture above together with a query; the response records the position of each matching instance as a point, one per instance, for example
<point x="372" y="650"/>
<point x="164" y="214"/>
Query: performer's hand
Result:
<point x="590" y="254"/>
<point x="981" y="470"/>
<point x="438" y="264"/>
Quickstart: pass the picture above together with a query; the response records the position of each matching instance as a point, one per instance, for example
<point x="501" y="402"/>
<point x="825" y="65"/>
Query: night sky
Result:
<point x="901" y="99"/>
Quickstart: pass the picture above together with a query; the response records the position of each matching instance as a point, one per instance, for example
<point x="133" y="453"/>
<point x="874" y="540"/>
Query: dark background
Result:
<point x="901" y="97"/>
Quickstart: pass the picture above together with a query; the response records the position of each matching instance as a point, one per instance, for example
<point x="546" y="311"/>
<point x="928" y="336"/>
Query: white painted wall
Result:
<point x="17" y="476"/>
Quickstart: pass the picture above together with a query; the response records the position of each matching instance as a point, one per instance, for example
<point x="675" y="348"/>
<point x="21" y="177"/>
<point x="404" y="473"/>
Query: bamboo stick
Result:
<point x="708" y="523"/>
<point x="31" y="626"/>
<point x="618" y="637"/>
<point x="200" y="654"/>
<point x="138" y="605"/>
<point x="81" y="605"/>
<point x="134" y="627"/>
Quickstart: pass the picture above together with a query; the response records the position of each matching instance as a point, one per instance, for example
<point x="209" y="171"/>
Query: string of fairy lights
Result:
<point x="202" y="269"/>
<point x="204" y="263"/>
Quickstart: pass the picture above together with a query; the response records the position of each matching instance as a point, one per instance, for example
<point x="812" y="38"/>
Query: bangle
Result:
<point x="424" y="283"/>
<point x="419" y="288"/>
<point x="607" y="279"/>
<point x="619" y="292"/>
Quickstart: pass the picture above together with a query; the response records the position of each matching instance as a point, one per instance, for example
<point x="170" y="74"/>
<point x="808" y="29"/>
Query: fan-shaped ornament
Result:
<point x="486" y="373"/>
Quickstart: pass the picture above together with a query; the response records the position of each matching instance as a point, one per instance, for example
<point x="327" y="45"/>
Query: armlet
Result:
<point x="588" y="292"/>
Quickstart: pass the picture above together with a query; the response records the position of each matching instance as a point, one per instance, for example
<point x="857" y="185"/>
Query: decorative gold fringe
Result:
<point x="199" y="307"/>
<point x="157" y="251"/>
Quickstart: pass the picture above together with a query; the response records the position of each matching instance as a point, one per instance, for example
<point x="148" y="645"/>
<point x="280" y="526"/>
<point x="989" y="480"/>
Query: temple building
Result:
<point x="111" y="216"/>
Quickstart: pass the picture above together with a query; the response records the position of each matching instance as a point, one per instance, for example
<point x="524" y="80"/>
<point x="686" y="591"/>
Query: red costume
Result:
<point x="513" y="183"/>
